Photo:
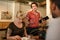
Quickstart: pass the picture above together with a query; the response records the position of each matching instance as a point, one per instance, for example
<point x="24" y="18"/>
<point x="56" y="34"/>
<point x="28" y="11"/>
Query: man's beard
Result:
<point x="54" y="15"/>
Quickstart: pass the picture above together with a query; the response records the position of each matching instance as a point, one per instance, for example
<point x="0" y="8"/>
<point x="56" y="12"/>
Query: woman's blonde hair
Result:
<point x="19" y="14"/>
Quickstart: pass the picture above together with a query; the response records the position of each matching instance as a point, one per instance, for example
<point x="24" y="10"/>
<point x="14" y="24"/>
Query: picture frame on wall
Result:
<point x="6" y="16"/>
<point x="7" y="11"/>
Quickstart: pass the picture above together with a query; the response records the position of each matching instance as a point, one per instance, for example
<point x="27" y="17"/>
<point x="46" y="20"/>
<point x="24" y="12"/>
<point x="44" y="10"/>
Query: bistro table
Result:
<point x="27" y="38"/>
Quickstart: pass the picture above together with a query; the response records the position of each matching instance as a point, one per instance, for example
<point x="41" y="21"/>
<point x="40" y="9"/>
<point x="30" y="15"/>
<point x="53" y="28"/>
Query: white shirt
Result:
<point x="53" y="32"/>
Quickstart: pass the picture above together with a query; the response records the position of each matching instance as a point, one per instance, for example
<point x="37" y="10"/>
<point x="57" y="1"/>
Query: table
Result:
<point x="27" y="38"/>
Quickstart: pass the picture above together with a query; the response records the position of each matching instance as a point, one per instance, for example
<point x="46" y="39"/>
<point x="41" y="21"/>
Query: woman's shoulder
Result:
<point x="10" y="25"/>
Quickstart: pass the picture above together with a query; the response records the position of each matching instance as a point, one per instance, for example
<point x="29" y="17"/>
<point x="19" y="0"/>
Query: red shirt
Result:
<point x="33" y="19"/>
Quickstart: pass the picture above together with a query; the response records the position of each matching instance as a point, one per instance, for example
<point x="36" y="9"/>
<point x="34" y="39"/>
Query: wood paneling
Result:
<point x="4" y="25"/>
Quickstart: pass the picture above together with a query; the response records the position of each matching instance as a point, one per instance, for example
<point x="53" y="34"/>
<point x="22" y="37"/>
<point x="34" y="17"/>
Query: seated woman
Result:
<point x="16" y="29"/>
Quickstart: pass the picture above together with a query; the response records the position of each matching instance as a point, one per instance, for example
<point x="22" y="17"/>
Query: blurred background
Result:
<point x="12" y="7"/>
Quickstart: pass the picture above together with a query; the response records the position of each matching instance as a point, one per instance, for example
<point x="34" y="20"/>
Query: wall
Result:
<point x="13" y="8"/>
<point x="6" y="6"/>
<point x="26" y="7"/>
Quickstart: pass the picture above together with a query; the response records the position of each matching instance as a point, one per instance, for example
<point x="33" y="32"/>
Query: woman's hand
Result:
<point x="14" y="38"/>
<point x="18" y="37"/>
